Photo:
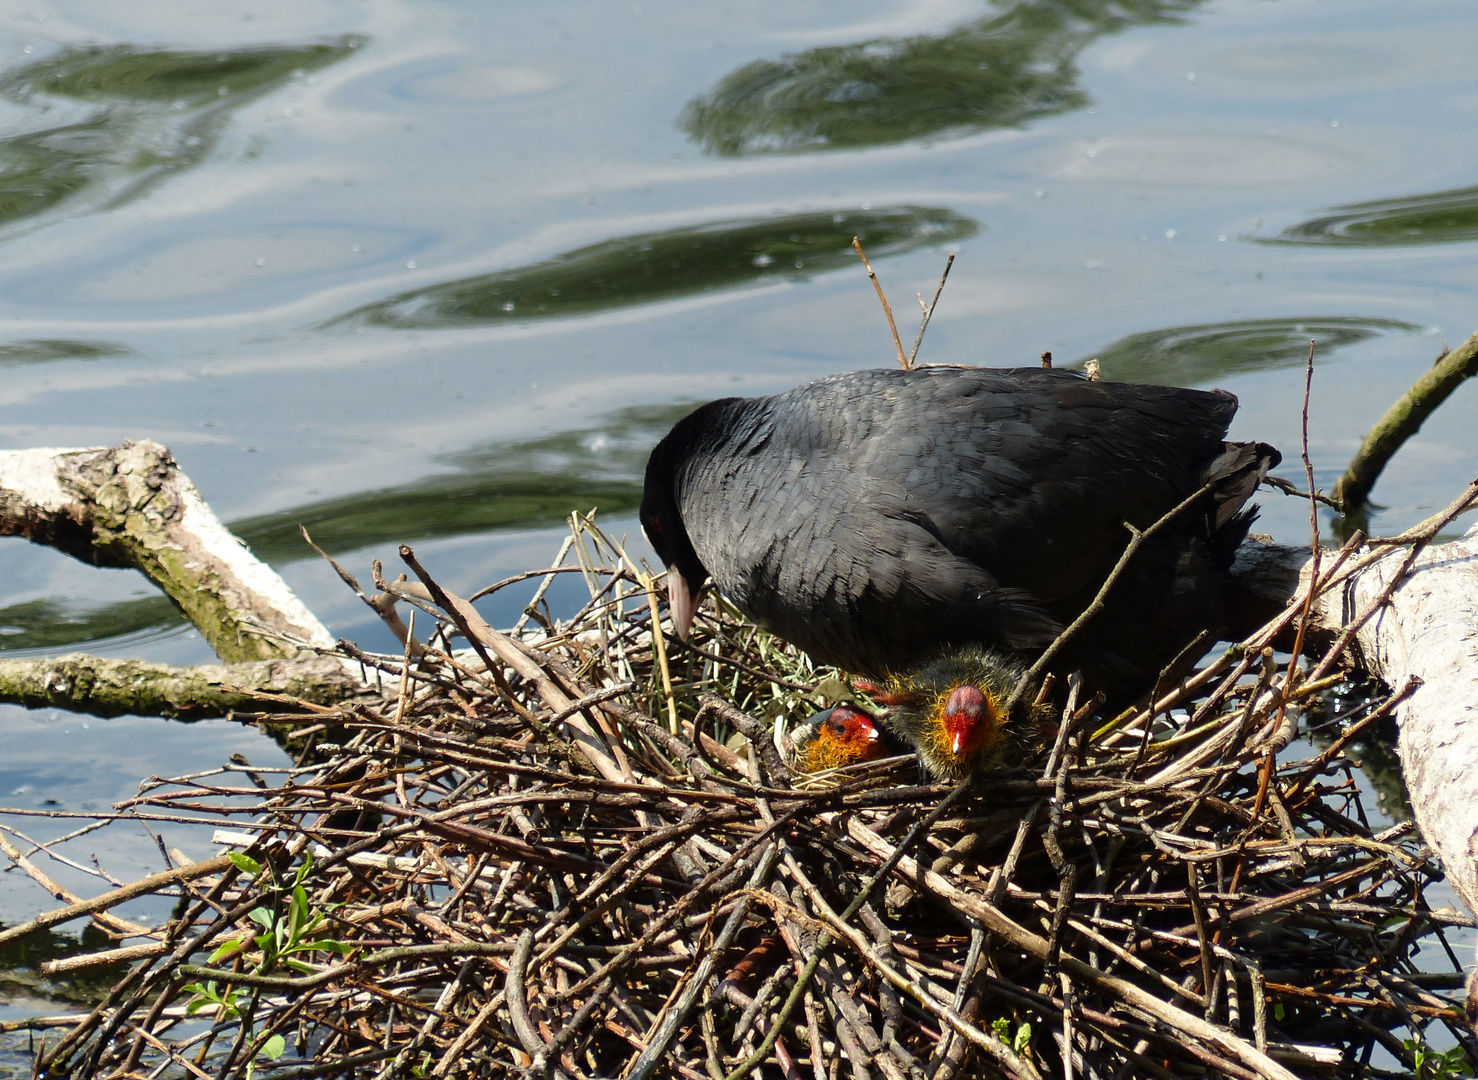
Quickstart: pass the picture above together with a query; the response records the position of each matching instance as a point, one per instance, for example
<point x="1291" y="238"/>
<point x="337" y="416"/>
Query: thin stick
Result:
<point x="123" y="926"/>
<point x="928" y="312"/>
<point x="824" y="940"/>
<point x="142" y="887"/>
<point x="1265" y="776"/>
<point x="1014" y="934"/>
<point x="564" y="549"/>
<point x="906" y="363"/>
<point x="484" y="637"/>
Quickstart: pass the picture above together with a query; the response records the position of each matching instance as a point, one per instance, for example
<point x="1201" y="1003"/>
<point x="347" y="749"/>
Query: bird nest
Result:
<point x="581" y="853"/>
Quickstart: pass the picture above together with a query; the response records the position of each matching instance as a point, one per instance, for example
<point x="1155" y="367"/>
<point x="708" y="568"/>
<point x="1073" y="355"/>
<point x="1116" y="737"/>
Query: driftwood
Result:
<point x="1410" y="614"/>
<point x="130" y="506"/>
<point x="1428" y="629"/>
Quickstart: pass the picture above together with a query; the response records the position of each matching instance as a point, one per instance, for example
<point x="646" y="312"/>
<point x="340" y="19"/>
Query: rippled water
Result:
<point x="442" y="273"/>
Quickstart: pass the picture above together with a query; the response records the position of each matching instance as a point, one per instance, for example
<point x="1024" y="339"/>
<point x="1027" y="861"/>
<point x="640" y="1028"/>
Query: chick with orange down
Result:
<point x="952" y="711"/>
<point x="841" y="735"/>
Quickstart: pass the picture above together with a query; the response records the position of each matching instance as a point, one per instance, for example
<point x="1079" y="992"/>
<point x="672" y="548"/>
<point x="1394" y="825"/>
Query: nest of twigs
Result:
<point x="569" y="856"/>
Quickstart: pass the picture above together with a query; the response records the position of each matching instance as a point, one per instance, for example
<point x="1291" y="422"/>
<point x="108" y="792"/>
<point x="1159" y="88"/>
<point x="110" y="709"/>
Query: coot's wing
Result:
<point x="874" y="593"/>
<point x="1031" y="474"/>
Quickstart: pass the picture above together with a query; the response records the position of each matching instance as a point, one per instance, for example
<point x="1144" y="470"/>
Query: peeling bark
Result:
<point x="130" y="506"/>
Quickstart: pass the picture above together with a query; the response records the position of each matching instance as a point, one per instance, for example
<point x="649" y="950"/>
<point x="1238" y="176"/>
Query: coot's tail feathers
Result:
<point x="1237" y="472"/>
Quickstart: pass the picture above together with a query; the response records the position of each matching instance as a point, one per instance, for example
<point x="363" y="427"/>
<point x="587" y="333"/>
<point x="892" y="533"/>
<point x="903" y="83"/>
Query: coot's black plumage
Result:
<point x="875" y="517"/>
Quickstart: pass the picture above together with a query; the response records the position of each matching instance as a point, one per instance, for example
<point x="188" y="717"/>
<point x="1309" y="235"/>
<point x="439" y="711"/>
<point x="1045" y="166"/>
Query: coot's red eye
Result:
<point x="657" y="526"/>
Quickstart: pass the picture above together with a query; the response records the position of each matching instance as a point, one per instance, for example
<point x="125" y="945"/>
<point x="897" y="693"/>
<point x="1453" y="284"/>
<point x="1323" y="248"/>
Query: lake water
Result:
<point x="442" y="272"/>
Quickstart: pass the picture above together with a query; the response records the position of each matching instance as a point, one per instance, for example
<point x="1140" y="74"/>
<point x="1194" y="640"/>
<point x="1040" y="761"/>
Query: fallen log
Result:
<point x="130" y="506"/>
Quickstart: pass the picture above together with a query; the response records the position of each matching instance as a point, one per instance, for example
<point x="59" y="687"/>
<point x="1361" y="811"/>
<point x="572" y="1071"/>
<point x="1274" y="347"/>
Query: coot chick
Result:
<point x="952" y="711"/>
<point x="877" y="517"/>
<point x="840" y="735"/>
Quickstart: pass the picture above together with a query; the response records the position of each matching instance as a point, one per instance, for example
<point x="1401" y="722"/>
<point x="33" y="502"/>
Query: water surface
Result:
<point x="414" y="271"/>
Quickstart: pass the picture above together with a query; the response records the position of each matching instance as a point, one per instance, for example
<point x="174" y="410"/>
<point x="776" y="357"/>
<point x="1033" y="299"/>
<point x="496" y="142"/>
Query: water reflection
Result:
<point x="997" y="72"/>
<point x="1191" y="355"/>
<point x="501" y="486"/>
<point x="158" y="111"/>
<point x="46" y="624"/>
<point x="498" y="486"/>
<point x="20" y="964"/>
<point x="42" y="350"/>
<point x="648" y="267"/>
<point x="1442" y="217"/>
<point x="1373" y="751"/>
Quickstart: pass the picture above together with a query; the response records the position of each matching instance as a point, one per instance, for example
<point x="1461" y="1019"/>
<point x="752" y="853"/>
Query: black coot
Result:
<point x="877" y="518"/>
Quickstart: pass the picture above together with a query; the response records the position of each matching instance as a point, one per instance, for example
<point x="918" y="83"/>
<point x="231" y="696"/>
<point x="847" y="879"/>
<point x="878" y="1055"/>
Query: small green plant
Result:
<point x="1449" y="1064"/>
<point x="284" y="936"/>
<point x="207" y="993"/>
<point x="1018" y="1042"/>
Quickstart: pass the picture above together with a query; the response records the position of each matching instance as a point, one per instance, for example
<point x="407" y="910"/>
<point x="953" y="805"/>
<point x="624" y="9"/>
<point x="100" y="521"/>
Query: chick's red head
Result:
<point x="837" y="736"/>
<point x="969" y="720"/>
<point x="952" y="710"/>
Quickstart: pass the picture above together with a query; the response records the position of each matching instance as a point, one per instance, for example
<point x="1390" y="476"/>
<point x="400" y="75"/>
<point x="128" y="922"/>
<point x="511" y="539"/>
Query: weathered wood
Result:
<point x="1428" y="629"/>
<point x="103" y="686"/>
<point x="130" y="506"/>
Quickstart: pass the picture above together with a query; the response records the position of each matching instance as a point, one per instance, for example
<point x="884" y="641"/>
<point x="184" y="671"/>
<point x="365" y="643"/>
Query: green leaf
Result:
<point x="344" y="948"/>
<point x="1023" y="1038"/>
<point x="203" y="996"/>
<point x="245" y="863"/>
<point x="209" y="995"/>
<point x="297" y="913"/>
<point x="229" y="947"/>
<point x="263" y="917"/>
<point x="273" y="1048"/>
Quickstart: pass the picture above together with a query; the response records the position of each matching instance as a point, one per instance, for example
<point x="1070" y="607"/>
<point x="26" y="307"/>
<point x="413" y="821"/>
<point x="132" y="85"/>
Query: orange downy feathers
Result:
<point x="835" y="737"/>
<point x="950" y="711"/>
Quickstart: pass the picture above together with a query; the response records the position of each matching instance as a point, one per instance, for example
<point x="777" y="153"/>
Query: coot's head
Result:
<point x="662" y="522"/>
<point x="840" y="735"/>
<point x="969" y="717"/>
<point x="953" y="711"/>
